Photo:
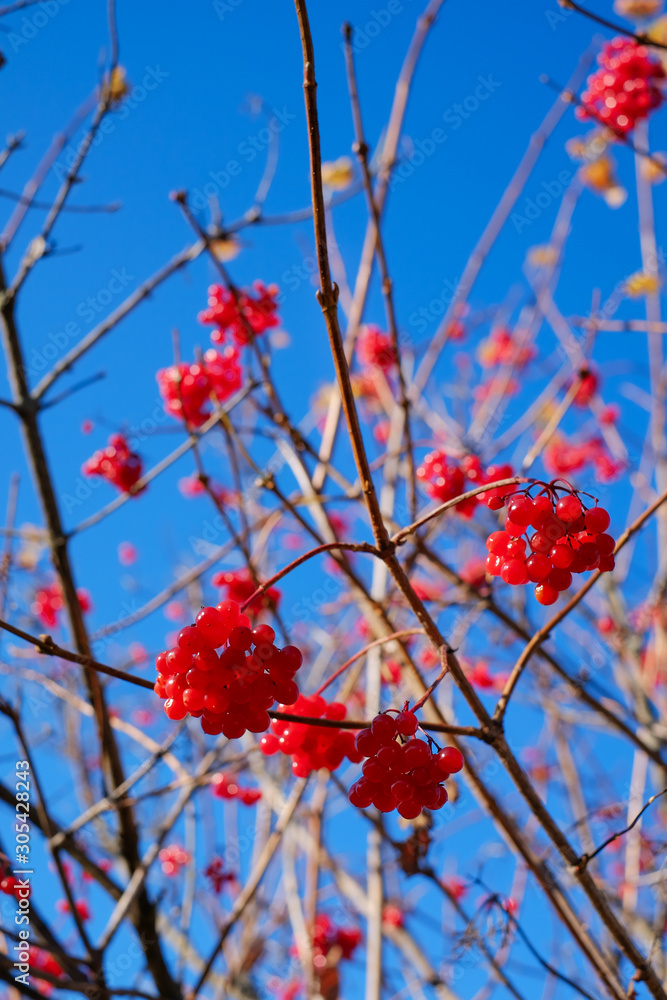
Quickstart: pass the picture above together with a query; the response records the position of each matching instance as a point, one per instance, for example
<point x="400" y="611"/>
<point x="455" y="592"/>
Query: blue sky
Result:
<point x="189" y="124"/>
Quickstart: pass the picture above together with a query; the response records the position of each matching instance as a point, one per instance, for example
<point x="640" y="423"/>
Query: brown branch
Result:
<point x="400" y="536"/>
<point x="643" y="38"/>
<point x="361" y="149"/>
<point x="142" y="292"/>
<point x="585" y="858"/>
<point x="546" y="630"/>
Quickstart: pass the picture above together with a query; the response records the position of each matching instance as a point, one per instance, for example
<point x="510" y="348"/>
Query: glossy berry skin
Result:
<point x="383" y="728"/>
<point x="560" y="579"/>
<point x="546" y="594"/>
<point x="232" y="692"/>
<point x="406" y="776"/>
<point x="514" y="572"/>
<point x="520" y="510"/>
<point x="561" y="556"/>
<point x="567" y="539"/>
<point x="212" y="628"/>
<point x="605" y="544"/>
<point x="407" y="723"/>
<point x="538" y="567"/>
<point x="497" y="542"/>
<point x="451" y="760"/>
<point x="568" y="508"/>
<point x="597" y="520"/>
<point x="540" y="511"/>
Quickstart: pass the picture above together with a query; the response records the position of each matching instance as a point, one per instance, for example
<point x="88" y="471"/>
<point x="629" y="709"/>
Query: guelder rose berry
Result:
<point x="232" y="691"/>
<point x="445" y="478"/>
<point x="187" y="389"/>
<point x="625" y="88"/>
<point x="567" y="539"/>
<point x="240" y="315"/>
<point x="115" y="463"/>
<point x="401" y="771"/>
<point x="312" y="747"/>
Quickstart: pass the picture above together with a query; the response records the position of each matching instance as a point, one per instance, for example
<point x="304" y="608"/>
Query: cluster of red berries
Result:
<point x="80" y="905"/>
<point x="328" y="935"/>
<point x="501" y="347"/>
<point x="225" y="787"/>
<point x="445" y="479"/>
<point x="567" y="539"/>
<point x="187" y="389"/>
<point x="312" y="747"/>
<point x="240" y="315"/>
<point x="624" y="89"/>
<point x="407" y="776"/>
<point x="173" y="858"/>
<point x="230" y="692"/>
<point x="49" y="602"/>
<point x="239" y="585"/>
<point x="115" y="463"/>
<point x="44" y="961"/>
<point x="562" y="458"/>
<point x="375" y="349"/>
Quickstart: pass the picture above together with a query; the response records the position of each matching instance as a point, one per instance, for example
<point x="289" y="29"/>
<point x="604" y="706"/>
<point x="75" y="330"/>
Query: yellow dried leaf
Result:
<point x="338" y="174"/>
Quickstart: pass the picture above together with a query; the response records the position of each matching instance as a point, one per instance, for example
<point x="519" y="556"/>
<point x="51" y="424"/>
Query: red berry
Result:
<point x="605" y="544"/>
<point x="361" y="794"/>
<point x="291" y="657"/>
<point x="562" y="556"/>
<point x="383" y="728"/>
<point x="415" y="753"/>
<point x="240" y="638"/>
<point x="494" y="503"/>
<point x="190" y="639"/>
<point x="493" y="564"/>
<point x="409" y="808"/>
<point x="516" y="549"/>
<point x="402" y="789"/>
<point x="540" y="543"/>
<point x="450" y="759"/>
<point x="568" y="508"/>
<point x="407" y="723"/>
<point x="520" y="510"/>
<point x="263" y="635"/>
<point x="541" y="510"/>
<point x="538" y="567"/>
<point x="497" y="542"/>
<point x="560" y="579"/>
<point x="211" y="627"/>
<point x="514" y="529"/>
<point x="336" y="711"/>
<point x="545" y="593"/>
<point x="514" y="572"/>
<point x="366" y="743"/>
